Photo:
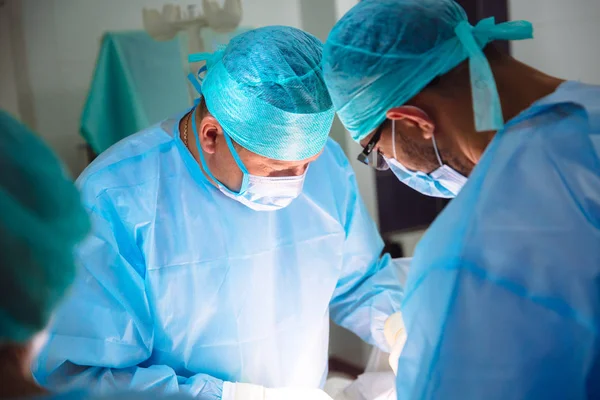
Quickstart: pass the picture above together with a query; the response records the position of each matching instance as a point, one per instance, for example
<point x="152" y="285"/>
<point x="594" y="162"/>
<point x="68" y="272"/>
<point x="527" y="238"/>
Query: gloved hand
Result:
<point x="248" y="391"/>
<point x="395" y="335"/>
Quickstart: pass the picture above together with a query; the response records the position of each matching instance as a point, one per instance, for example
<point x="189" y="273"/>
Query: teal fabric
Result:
<point x="267" y="91"/>
<point x="384" y="52"/>
<point x="502" y="298"/>
<point x="41" y="220"/>
<point x="138" y="81"/>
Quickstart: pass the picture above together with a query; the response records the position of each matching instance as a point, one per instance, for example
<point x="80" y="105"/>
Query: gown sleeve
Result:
<point x="103" y="333"/>
<point x="369" y="289"/>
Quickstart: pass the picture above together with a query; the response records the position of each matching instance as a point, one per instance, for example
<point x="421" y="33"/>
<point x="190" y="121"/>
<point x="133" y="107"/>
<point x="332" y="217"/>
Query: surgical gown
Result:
<point x="182" y="288"/>
<point x="83" y="395"/>
<point x="503" y="297"/>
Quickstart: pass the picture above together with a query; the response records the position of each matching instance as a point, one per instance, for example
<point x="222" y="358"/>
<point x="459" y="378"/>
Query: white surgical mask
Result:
<point x="267" y="193"/>
<point x="443" y="182"/>
<point x="260" y="193"/>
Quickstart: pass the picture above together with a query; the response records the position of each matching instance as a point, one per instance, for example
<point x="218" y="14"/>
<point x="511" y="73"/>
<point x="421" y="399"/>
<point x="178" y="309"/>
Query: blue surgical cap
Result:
<point x="384" y="52"/>
<point x="41" y="219"/>
<point x="267" y="91"/>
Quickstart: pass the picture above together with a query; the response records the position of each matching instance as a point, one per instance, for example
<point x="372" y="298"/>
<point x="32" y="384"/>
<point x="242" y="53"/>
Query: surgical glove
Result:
<point x="248" y="391"/>
<point x="395" y="335"/>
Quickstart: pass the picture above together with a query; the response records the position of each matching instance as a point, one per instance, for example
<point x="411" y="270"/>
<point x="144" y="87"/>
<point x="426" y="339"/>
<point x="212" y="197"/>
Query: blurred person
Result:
<point x="223" y="240"/>
<point x="41" y="220"/>
<point x="502" y="300"/>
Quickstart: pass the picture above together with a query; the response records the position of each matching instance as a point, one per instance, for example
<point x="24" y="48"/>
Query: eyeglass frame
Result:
<point x="363" y="157"/>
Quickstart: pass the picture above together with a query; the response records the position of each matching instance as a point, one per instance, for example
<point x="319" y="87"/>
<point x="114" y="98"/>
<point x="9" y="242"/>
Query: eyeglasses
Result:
<point x="374" y="158"/>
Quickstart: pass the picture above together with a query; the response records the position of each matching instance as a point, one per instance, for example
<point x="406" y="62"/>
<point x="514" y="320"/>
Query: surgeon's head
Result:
<point x="264" y="115"/>
<point x="41" y="220"/>
<point x="412" y="83"/>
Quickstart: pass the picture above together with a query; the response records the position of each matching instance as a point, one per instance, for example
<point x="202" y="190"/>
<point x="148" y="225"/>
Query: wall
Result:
<point x="8" y="94"/>
<point x="566" y="37"/>
<point x="62" y="39"/>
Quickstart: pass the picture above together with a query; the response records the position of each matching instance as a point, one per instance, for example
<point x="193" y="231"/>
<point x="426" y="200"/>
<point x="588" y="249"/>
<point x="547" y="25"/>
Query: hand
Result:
<point x="247" y="391"/>
<point x="395" y="335"/>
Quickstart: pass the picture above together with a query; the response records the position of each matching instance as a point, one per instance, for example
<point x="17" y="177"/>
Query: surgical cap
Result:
<point x="267" y="91"/>
<point x="41" y="219"/>
<point x="384" y="52"/>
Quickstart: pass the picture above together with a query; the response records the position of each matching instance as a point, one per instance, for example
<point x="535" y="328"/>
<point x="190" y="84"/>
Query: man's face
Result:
<point x="224" y="167"/>
<point x="258" y="165"/>
<point x="413" y="130"/>
<point x="414" y="148"/>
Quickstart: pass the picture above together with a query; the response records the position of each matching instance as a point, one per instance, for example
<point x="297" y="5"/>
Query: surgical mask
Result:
<point x="260" y="193"/>
<point x="443" y="182"/>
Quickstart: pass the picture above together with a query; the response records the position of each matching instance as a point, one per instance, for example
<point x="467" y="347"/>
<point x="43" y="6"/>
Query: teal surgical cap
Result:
<point x="383" y="52"/>
<point x="41" y="219"/>
<point x="267" y="91"/>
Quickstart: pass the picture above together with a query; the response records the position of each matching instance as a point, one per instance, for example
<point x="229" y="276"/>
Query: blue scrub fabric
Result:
<point x="503" y="300"/>
<point x="182" y="288"/>
<point x="84" y="395"/>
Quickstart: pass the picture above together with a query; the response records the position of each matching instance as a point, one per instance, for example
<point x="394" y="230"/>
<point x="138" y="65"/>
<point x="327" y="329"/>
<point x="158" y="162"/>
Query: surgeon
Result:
<point x="223" y="240"/>
<point x="503" y="297"/>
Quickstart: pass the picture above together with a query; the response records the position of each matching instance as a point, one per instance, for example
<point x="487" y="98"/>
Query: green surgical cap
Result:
<point x="384" y="52"/>
<point x="41" y="219"/>
<point x="267" y="91"/>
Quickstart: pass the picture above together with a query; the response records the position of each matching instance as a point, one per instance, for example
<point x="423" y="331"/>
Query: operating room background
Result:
<point x="48" y="50"/>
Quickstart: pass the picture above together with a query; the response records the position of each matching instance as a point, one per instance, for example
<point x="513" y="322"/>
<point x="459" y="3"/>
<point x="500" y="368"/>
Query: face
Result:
<point x="413" y="146"/>
<point x="225" y="169"/>
<point x="414" y="131"/>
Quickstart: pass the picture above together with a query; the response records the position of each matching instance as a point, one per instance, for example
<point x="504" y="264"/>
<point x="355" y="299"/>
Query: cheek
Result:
<point x="223" y="166"/>
<point x="407" y="154"/>
<point x="386" y="147"/>
<point x="410" y="163"/>
<point x="233" y="174"/>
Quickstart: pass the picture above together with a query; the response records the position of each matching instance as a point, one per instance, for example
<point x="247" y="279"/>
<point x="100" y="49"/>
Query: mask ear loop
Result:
<point x="196" y="81"/>
<point x="394" y="138"/>
<point x="435" y="148"/>
<point x="245" y="178"/>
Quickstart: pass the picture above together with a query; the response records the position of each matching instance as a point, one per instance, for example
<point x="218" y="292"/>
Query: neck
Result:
<point x="519" y="86"/>
<point x="15" y="377"/>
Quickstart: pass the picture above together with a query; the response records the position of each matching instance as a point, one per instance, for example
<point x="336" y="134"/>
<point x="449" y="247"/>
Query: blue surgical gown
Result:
<point x="131" y="395"/>
<point x="182" y="288"/>
<point x="503" y="297"/>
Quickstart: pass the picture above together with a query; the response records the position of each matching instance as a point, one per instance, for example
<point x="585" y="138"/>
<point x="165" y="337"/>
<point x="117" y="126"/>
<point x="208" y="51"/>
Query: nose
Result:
<point x="293" y="171"/>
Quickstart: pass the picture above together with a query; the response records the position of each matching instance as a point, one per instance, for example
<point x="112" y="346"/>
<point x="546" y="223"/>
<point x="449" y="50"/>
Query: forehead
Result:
<point x="258" y="160"/>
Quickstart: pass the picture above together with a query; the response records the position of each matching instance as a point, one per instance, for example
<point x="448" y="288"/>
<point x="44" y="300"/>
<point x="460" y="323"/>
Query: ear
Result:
<point x="210" y="129"/>
<point x="415" y="116"/>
